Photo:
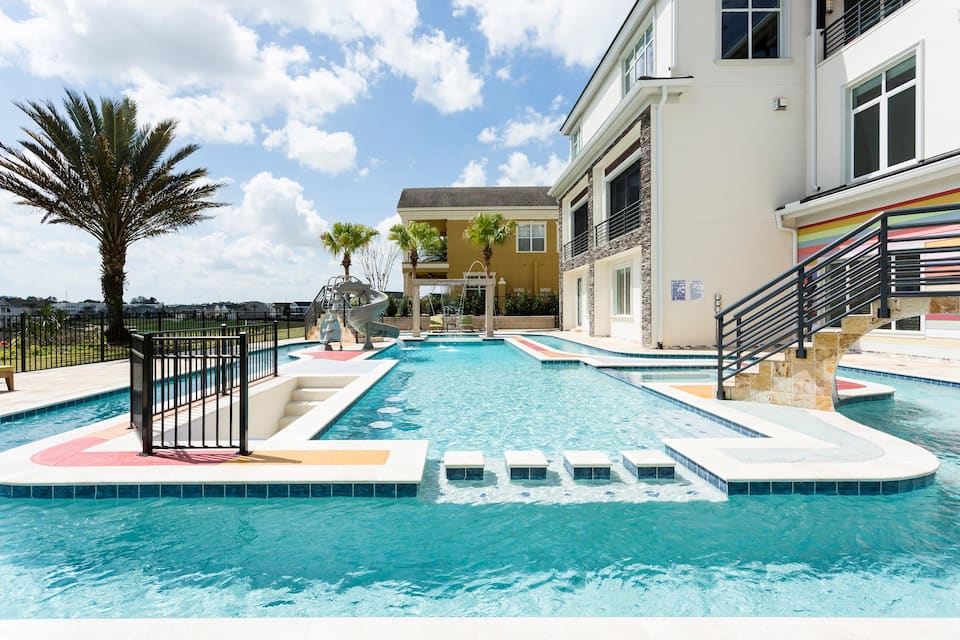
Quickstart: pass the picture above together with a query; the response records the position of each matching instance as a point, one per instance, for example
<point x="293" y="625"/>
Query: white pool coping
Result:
<point x="410" y="628"/>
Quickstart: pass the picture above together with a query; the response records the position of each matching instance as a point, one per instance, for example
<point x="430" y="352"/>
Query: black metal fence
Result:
<point x="190" y="388"/>
<point x="55" y="339"/>
<point x="578" y="245"/>
<point x="857" y="19"/>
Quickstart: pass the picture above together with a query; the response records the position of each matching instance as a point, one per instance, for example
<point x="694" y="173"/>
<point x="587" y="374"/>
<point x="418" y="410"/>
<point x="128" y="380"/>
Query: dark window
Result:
<point x="884" y="112"/>
<point x="749" y="29"/>
<point x="624" y="202"/>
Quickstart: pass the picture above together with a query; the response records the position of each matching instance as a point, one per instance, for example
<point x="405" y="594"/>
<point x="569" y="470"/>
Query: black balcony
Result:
<point x="619" y="223"/>
<point x="857" y="19"/>
<point x="576" y="246"/>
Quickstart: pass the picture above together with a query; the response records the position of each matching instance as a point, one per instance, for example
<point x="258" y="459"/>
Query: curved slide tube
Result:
<point x="363" y="318"/>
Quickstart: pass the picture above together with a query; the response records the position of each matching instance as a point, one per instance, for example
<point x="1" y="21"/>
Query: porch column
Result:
<point x="415" y="311"/>
<point x="488" y="311"/>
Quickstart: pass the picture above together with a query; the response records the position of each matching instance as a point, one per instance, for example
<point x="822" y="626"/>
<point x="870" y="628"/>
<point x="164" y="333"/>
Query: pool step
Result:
<point x="312" y="394"/>
<point x="587" y="465"/>
<point x="526" y="465"/>
<point x="646" y="464"/>
<point x="463" y="465"/>
<point x="300" y="407"/>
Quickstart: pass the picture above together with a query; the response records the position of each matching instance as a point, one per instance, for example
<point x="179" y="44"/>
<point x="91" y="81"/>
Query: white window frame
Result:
<point x="623" y="296"/>
<point x="883" y="100"/>
<point x="750" y="10"/>
<point x="521" y="225"/>
<point x="576" y="142"/>
<point x="643" y="50"/>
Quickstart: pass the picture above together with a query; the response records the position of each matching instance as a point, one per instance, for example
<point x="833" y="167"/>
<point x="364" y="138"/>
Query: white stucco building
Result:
<point x="714" y="137"/>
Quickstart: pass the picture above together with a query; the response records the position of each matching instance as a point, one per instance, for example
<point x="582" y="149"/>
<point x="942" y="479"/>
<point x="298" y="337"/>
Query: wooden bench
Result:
<point x="6" y="372"/>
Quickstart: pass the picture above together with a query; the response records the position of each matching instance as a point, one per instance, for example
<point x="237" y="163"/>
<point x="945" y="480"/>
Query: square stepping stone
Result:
<point x="647" y="464"/>
<point x="587" y="465"/>
<point x="463" y="465"/>
<point x="526" y="465"/>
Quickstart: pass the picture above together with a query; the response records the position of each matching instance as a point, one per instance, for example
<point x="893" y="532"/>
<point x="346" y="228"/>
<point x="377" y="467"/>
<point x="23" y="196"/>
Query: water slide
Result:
<point x="364" y="317"/>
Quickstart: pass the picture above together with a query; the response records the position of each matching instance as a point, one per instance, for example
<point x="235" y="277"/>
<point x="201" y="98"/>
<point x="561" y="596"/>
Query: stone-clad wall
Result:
<point x="641" y="237"/>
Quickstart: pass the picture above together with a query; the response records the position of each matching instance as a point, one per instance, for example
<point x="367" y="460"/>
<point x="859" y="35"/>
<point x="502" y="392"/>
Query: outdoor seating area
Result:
<point x="451" y="322"/>
<point x="6" y="372"/>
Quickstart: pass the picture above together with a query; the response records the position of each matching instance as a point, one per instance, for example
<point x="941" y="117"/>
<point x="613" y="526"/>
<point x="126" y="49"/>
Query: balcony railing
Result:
<point x="576" y="246"/>
<point x="857" y="19"/>
<point x="621" y="222"/>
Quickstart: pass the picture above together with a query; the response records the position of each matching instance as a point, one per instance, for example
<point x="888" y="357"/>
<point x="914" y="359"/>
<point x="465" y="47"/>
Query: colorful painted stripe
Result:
<point x="812" y="238"/>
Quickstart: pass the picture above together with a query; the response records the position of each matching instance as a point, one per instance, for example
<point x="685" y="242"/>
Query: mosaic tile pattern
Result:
<point x="213" y="490"/>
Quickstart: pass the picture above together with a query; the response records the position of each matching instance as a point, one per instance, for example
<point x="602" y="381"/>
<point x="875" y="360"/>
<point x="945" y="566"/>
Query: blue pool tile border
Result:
<point x="29" y="413"/>
<point x="900" y="376"/>
<point x="195" y="491"/>
<point x="802" y="487"/>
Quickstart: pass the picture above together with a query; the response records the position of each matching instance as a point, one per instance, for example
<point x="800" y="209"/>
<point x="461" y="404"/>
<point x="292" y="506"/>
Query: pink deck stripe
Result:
<point x="74" y="454"/>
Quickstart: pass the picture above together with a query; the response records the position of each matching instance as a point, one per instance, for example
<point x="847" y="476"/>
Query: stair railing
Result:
<point x="903" y="253"/>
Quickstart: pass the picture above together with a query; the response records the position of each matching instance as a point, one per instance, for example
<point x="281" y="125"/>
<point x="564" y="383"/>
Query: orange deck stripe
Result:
<point x="326" y="457"/>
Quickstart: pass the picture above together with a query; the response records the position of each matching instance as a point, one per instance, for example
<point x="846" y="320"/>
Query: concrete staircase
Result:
<point x="310" y="393"/>
<point x="810" y="382"/>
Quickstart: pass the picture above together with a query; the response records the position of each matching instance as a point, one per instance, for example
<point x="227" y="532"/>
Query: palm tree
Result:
<point x="413" y="238"/>
<point x="487" y="231"/>
<point x="92" y="167"/>
<point x="345" y="238"/>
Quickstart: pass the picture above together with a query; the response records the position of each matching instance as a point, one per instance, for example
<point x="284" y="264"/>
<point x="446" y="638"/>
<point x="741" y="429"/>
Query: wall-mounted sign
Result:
<point x="696" y="289"/>
<point x="678" y="290"/>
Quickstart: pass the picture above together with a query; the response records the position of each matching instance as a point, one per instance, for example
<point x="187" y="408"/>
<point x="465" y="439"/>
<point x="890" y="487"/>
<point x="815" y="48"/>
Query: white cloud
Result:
<point x="205" y="64"/>
<point x="275" y="210"/>
<point x="532" y="126"/>
<point x="577" y="32"/>
<point x="473" y="175"/>
<point x="330" y="153"/>
<point x="439" y="67"/>
<point x="503" y="73"/>
<point x="519" y="171"/>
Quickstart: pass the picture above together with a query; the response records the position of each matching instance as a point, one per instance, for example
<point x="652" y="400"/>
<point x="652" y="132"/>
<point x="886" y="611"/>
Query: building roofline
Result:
<point x="600" y="64"/>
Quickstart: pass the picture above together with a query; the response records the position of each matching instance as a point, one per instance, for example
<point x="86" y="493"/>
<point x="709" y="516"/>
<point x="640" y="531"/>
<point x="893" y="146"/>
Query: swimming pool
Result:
<point x="493" y="397"/>
<point x="562" y="344"/>
<point x="896" y="555"/>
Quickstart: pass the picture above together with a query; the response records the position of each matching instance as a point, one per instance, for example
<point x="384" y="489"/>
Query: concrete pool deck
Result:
<point x="411" y="628"/>
<point x="795" y="447"/>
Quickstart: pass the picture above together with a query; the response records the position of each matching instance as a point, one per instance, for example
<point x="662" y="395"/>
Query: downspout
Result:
<point x="812" y="178"/>
<point x="658" y="205"/>
<point x="778" y="217"/>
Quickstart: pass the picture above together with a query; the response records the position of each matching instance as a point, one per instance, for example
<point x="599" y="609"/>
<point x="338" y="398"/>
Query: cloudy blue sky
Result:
<point x="312" y="111"/>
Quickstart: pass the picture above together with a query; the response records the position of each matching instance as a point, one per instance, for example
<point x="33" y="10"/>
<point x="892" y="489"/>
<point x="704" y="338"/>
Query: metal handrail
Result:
<point x="578" y="245"/>
<point x="865" y="265"/>
<point x="618" y="224"/>
<point x="855" y="21"/>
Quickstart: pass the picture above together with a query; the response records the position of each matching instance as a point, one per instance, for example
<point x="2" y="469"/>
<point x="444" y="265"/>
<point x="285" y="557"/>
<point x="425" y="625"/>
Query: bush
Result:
<point x="528" y="304"/>
<point x="391" y="310"/>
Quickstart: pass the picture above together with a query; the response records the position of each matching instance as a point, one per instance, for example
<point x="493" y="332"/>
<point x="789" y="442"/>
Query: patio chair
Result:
<point x="6" y="372"/>
<point x="436" y="323"/>
<point x="466" y="323"/>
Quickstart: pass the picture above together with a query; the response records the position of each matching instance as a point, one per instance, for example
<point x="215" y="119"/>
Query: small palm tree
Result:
<point x="346" y="238"/>
<point x="488" y="230"/>
<point x="94" y="168"/>
<point x="414" y="238"/>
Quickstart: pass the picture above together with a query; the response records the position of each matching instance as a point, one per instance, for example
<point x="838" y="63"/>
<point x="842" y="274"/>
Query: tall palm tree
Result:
<point x="414" y="238"/>
<point x="345" y="238"/>
<point x="92" y="167"/>
<point x="488" y="230"/>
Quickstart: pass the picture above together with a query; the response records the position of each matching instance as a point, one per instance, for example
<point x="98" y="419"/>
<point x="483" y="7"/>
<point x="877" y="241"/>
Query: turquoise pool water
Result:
<point x="893" y="555"/>
<point x="493" y="397"/>
<point x="31" y="428"/>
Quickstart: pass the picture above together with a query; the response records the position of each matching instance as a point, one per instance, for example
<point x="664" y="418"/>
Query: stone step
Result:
<point x="311" y="394"/>
<point x="300" y="407"/>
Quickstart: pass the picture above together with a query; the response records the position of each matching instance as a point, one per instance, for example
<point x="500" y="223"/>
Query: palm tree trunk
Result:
<point x="346" y="265"/>
<point x="487" y="256"/>
<point x="113" y="260"/>
<point x="413" y="263"/>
